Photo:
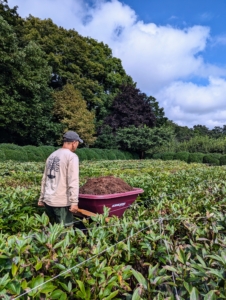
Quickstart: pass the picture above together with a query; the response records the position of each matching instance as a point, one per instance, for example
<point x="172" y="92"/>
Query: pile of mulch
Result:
<point x="105" y="185"/>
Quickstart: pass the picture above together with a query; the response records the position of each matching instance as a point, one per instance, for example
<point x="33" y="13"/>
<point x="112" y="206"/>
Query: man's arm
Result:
<point x="73" y="183"/>
<point x="41" y="198"/>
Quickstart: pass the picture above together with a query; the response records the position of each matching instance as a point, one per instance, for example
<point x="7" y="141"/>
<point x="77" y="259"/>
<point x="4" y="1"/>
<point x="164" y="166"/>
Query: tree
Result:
<point x="158" y="112"/>
<point x="106" y="140"/>
<point x="25" y="98"/>
<point x="130" y="107"/>
<point x="183" y="133"/>
<point x="142" y="138"/>
<point x="201" y="130"/>
<point x="70" y="109"/>
<point x="216" y="132"/>
<point x="10" y="15"/>
<point x="84" y="62"/>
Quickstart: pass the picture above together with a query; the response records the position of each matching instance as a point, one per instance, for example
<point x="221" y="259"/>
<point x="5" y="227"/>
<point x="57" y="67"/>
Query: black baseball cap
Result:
<point x="71" y="136"/>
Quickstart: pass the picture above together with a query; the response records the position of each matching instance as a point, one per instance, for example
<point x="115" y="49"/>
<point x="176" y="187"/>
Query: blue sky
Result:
<point x="181" y="13"/>
<point x="174" y="49"/>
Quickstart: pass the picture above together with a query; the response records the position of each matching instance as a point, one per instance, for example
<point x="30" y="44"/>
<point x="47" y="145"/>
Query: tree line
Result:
<point x="53" y="80"/>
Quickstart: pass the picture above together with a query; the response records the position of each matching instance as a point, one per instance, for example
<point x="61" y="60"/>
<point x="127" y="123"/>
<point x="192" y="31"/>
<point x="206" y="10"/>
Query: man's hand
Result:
<point x="74" y="208"/>
<point x="40" y="203"/>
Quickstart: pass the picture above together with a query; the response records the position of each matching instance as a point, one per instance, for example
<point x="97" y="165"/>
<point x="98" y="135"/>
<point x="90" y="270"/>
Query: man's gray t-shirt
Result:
<point x="60" y="182"/>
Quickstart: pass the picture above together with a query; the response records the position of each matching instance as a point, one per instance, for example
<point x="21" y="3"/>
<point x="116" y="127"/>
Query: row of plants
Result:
<point x="169" y="245"/>
<point x="40" y="154"/>
<point x="204" y="144"/>
<point x="210" y="158"/>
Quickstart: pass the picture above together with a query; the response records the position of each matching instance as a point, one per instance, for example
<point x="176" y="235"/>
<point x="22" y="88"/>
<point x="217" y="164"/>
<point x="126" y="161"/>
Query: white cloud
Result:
<point x="161" y="59"/>
<point x="190" y="104"/>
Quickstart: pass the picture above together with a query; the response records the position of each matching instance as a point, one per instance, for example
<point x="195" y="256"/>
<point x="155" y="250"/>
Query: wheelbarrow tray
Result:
<point x="117" y="203"/>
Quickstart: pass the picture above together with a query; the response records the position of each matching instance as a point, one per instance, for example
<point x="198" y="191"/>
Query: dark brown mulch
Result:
<point x="105" y="185"/>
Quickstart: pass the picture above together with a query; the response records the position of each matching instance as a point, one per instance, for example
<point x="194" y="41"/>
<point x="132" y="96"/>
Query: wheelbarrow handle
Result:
<point x="89" y="213"/>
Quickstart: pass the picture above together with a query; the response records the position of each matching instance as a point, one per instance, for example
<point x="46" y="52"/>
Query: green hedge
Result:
<point x="41" y="153"/>
<point x="81" y="154"/>
<point x="2" y="155"/>
<point x="168" y="156"/>
<point x="90" y="154"/>
<point x="101" y="153"/>
<point x="196" y="157"/>
<point x="16" y="155"/>
<point x="47" y="150"/>
<point x="183" y="156"/>
<point x="110" y="154"/>
<point x="211" y="159"/>
<point x="34" y="153"/>
<point x="128" y="155"/>
<point x="13" y="152"/>
<point x="119" y="155"/>
<point x="223" y="160"/>
<point x="157" y="156"/>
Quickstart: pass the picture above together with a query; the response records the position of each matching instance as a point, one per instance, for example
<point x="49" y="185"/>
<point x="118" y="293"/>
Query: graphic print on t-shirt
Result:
<point x="53" y="165"/>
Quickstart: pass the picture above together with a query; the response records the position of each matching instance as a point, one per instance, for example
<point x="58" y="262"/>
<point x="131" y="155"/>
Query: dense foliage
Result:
<point x="71" y="110"/>
<point x="25" y="98"/>
<point x="41" y="153"/>
<point x="169" y="245"/>
<point x="37" y="58"/>
<point x="130" y="107"/>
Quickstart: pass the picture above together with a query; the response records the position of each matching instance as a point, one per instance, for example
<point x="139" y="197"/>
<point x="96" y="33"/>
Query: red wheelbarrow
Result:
<point x="90" y="205"/>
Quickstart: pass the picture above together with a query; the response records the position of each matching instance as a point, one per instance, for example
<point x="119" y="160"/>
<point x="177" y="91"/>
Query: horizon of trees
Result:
<point x="53" y="79"/>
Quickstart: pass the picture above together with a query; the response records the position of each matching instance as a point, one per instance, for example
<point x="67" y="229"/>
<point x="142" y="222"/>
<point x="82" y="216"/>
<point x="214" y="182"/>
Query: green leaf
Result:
<point x="4" y="280"/>
<point x="187" y="286"/>
<point x="81" y="286"/>
<point x="24" y="284"/>
<point x="56" y="294"/>
<point x="64" y="296"/>
<point x="38" y="266"/>
<point x="172" y="269"/>
<point x="136" y="294"/>
<point x="216" y="272"/>
<point x="211" y="296"/>
<point x="111" y="296"/>
<point x="140" y="278"/>
<point x="14" y="269"/>
<point x="194" y="294"/>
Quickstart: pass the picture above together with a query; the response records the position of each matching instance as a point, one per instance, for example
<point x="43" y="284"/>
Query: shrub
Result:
<point x="168" y="156"/>
<point x="223" y="160"/>
<point x="4" y="146"/>
<point x="119" y="154"/>
<point x="34" y="153"/>
<point x="2" y="155"/>
<point x="17" y="155"/>
<point x="128" y="155"/>
<point x="210" y="159"/>
<point x="216" y="155"/>
<point x="81" y="154"/>
<point x="110" y="154"/>
<point x="101" y="153"/>
<point x="157" y="156"/>
<point x="47" y="150"/>
<point x="8" y="150"/>
<point x="90" y="154"/>
<point x="182" y="156"/>
<point x="196" y="157"/>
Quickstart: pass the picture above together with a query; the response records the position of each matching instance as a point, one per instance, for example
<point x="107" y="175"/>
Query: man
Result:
<point x="60" y="182"/>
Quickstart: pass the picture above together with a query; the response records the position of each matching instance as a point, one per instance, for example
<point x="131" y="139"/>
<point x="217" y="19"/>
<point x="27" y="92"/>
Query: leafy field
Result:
<point x="171" y="244"/>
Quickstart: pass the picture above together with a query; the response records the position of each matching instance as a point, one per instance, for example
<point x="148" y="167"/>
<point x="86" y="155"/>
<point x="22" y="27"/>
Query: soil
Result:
<point x="105" y="185"/>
